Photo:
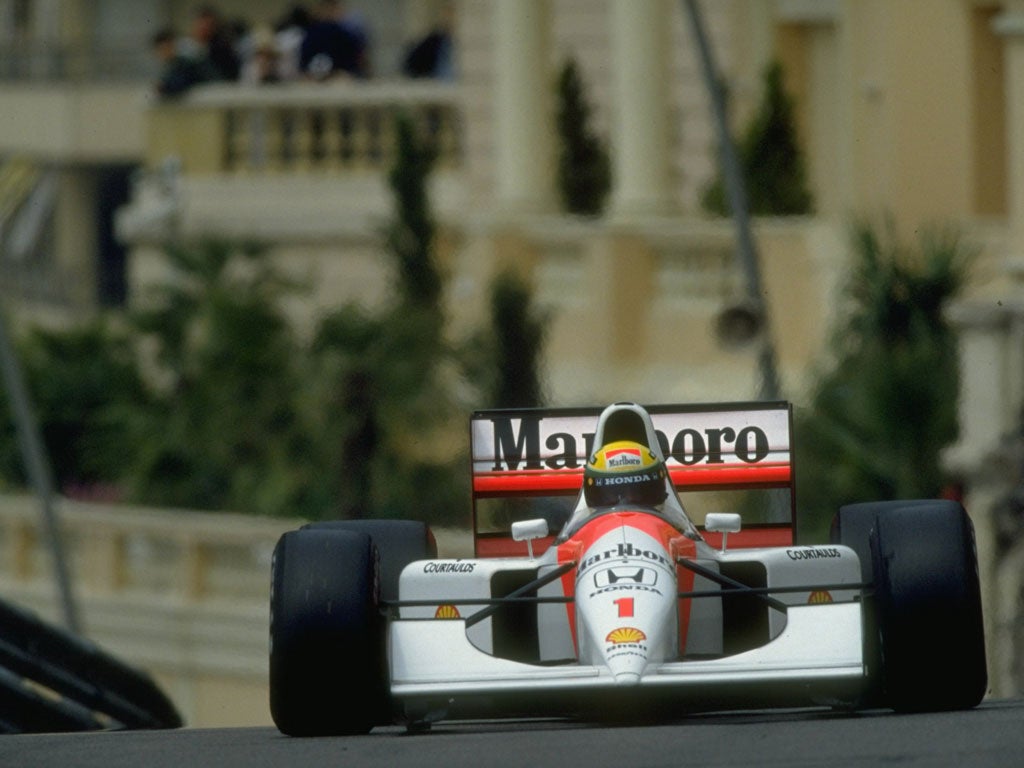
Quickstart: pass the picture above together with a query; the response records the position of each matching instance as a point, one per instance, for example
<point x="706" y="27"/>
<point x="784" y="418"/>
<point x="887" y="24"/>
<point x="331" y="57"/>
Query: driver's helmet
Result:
<point x="624" y="472"/>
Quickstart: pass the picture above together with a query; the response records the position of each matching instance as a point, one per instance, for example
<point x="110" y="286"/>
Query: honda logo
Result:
<point x="625" y="574"/>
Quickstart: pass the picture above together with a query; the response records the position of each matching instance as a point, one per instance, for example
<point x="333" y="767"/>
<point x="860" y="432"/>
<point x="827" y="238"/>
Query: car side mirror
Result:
<point x="723" y="523"/>
<point x="528" y="530"/>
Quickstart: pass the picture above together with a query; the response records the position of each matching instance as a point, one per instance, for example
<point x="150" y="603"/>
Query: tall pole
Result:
<point x="737" y="195"/>
<point x="38" y="470"/>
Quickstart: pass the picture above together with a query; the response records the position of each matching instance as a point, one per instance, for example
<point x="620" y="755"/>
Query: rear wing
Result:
<point x="540" y="453"/>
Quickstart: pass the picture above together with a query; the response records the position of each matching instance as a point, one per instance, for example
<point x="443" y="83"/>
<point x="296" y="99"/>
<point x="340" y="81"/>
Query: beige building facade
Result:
<point x="912" y="109"/>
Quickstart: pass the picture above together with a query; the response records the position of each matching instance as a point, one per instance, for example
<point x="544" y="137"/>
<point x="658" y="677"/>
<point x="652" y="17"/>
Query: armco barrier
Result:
<point x="52" y="680"/>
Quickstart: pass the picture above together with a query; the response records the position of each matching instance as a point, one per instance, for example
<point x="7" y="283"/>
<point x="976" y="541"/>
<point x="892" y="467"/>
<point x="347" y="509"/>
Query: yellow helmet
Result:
<point x="624" y="472"/>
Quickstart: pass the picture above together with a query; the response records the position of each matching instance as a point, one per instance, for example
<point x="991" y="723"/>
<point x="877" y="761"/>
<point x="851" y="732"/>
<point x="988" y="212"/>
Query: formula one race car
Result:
<point x="594" y="594"/>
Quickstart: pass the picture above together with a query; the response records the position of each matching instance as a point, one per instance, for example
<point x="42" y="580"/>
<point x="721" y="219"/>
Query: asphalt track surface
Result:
<point x="991" y="735"/>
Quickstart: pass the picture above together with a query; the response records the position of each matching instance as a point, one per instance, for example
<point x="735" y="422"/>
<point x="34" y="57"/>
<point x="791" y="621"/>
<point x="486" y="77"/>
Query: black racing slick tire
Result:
<point x="927" y="615"/>
<point x="326" y="650"/>
<point x="399" y="542"/>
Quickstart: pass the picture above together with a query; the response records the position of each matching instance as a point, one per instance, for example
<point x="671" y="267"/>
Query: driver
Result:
<point x="624" y="472"/>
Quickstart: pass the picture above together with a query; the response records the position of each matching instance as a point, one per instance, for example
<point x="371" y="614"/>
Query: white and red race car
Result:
<point x="630" y="562"/>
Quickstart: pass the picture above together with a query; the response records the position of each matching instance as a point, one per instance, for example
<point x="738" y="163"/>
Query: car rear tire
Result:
<point x="926" y="643"/>
<point x="399" y="542"/>
<point x="326" y="653"/>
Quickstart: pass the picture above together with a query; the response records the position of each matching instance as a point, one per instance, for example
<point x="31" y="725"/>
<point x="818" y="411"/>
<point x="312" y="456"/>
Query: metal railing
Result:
<point x="54" y="680"/>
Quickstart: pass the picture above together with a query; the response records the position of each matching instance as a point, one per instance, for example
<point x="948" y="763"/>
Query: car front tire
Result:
<point x="926" y="639"/>
<point x="326" y="654"/>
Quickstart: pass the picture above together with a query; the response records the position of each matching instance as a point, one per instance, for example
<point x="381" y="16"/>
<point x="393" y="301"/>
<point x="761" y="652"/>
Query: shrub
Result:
<point x="770" y="158"/>
<point x="887" y="404"/>
<point x="584" y="175"/>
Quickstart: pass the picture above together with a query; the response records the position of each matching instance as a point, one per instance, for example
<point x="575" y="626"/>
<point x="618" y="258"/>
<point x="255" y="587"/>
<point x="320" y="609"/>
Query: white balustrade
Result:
<point x="308" y="127"/>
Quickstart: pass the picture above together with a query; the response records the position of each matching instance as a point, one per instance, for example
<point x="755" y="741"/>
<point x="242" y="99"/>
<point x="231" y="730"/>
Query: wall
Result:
<point x="183" y="595"/>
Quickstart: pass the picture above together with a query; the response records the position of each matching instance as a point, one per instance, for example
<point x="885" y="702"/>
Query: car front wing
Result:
<point x="817" y="659"/>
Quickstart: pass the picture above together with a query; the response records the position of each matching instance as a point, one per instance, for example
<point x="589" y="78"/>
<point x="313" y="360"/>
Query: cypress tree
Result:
<point x="411" y="235"/>
<point x="519" y="340"/>
<point x="584" y="175"/>
<point x="771" y="158"/>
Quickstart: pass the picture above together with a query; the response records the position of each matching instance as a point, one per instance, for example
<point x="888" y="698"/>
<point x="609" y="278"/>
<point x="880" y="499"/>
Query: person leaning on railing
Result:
<point x="335" y="44"/>
<point x="178" y="72"/>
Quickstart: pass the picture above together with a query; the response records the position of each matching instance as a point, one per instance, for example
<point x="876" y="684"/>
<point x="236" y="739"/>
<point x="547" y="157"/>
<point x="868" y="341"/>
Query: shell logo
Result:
<point x="625" y="635"/>
<point x="819" y="596"/>
<point x="447" y="612"/>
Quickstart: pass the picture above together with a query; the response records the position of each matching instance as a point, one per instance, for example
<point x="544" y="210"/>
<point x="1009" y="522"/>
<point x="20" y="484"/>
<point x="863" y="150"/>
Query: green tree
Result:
<point x="518" y="333"/>
<point x="886" y="406"/>
<point x="770" y="157"/>
<point x="584" y="175"/>
<point x="511" y="352"/>
<point x="84" y="384"/>
<point x="412" y="232"/>
<point x="208" y="399"/>
<point x="393" y="373"/>
<point x="222" y="430"/>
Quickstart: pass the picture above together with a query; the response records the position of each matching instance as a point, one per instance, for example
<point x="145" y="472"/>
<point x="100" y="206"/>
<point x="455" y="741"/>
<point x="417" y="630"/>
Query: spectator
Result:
<point x="289" y="34"/>
<point x="178" y="72"/>
<point x="263" y="59"/>
<point x="352" y="22"/>
<point x="213" y="40"/>
<point x="432" y="55"/>
<point x="333" y="45"/>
